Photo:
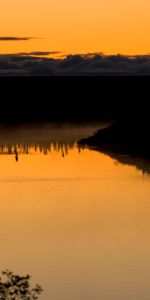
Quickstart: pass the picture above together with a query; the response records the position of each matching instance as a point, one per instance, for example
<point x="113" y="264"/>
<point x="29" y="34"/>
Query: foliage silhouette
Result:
<point x="15" y="287"/>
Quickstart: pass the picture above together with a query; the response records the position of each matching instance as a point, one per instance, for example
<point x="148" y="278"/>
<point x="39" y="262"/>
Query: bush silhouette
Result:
<point x="15" y="287"/>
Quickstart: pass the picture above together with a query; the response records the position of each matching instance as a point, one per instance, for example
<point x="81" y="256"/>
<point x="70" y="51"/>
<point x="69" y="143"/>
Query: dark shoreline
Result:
<point x="72" y="99"/>
<point x="123" y="137"/>
<point x="126" y="141"/>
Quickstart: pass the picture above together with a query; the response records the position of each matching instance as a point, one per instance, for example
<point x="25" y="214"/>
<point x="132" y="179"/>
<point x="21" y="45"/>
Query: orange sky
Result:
<point x="109" y="26"/>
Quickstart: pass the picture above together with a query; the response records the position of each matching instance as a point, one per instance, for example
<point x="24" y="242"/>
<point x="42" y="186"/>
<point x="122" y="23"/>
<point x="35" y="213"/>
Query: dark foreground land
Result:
<point x="123" y="137"/>
<point x="126" y="141"/>
<point x="72" y="99"/>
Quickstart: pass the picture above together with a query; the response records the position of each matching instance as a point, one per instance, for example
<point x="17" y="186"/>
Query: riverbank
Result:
<point x="125" y="137"/>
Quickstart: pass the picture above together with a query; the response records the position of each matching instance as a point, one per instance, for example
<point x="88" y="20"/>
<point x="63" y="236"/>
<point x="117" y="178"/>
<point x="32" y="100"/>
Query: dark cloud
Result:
<point x="14" y="38"/>
<point x="86" y="55"/>
<point x="39" y="53"/>
<point x="84" y="65"/>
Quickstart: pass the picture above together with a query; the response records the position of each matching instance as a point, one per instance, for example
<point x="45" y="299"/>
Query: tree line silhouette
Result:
<point x="43" y="148"/>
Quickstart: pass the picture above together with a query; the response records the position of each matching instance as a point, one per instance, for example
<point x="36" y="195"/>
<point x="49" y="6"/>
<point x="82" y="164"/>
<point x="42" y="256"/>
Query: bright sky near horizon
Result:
<point x="75" y="26"/>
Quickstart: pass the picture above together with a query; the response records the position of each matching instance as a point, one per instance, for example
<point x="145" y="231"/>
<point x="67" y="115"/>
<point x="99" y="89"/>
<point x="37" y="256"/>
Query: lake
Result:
<point x="76" y="219"/>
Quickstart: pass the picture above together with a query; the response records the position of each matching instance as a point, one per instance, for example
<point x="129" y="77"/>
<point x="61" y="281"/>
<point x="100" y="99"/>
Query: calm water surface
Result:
<point x="77" y="220"/>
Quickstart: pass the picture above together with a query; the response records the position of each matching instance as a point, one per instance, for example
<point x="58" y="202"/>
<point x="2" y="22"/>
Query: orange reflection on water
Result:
<point x="79" y="224"/>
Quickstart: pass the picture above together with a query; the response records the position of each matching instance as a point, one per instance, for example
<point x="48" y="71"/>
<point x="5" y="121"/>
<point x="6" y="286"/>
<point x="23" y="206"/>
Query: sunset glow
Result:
<point x="108" y="26"/>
